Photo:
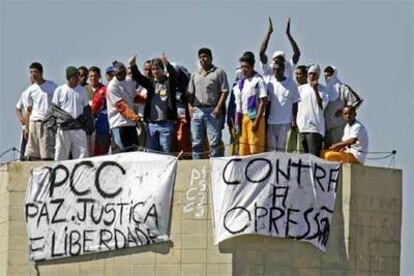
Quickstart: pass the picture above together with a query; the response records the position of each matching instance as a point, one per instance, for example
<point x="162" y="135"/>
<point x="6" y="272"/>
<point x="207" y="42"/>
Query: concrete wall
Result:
<point x="364" y="237"/>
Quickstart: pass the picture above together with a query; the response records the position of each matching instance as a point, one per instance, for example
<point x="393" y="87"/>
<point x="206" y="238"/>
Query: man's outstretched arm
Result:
<point x="295" y="48"/>
<point x="265" y="42"/>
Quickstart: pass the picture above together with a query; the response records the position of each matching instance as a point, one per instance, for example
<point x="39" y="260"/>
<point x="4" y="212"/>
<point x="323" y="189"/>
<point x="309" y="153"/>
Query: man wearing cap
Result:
<point x="278" y="56"/>
<point x="39" y="95"/>
<point x="310" y="118"/>
<point x="71" y="98"/>
<point x="207" y="92"/>
<point x="122" y="117"/>
<point x="109" y="73"/>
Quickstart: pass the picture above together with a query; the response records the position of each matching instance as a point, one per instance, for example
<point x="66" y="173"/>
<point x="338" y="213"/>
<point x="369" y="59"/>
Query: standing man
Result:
<point x="250" y="96"/>
<point x="278" y="56"/>
<point x="72" y="99"/>
<point x="340" y="95"/>
<point x="102" y="136"/>
<point x="40" y="142"/>
<point x="121" y="114"/>
<point x="310" y="118"/>
<point x="90" y="92"/>
<point x="161" y="105"/>
<point x="284" y="98"/>
<point x="207" y="90"/>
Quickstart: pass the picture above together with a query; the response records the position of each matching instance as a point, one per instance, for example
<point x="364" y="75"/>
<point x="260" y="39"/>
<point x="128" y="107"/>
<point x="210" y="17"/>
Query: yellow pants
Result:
<point x="344" y="157"/>
<point x="252" y="142"/>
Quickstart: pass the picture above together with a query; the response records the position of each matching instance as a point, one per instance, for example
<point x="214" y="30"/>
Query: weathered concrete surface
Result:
<point x="364" y="237"/>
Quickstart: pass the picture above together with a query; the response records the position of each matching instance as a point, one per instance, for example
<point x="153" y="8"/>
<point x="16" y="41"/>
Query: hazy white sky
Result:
<point x="371" y="44"/>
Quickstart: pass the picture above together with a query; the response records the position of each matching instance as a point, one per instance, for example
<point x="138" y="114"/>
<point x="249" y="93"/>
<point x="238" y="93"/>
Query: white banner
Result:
<point x="98" y="204"/>
<point x="274" y="194"/>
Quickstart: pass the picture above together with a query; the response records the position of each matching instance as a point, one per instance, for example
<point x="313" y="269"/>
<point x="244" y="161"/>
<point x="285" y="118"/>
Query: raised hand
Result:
<point x="288" y="27"/>
<point x="164" y="58"/>
<point x="132" y="60"/>
<point x="270" y="29"/>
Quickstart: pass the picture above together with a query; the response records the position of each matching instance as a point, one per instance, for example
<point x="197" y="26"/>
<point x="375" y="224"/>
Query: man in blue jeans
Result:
<point x="207" y="91"/>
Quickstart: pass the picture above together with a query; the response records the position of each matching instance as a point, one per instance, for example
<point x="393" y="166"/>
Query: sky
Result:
<point x="370" y="42"/>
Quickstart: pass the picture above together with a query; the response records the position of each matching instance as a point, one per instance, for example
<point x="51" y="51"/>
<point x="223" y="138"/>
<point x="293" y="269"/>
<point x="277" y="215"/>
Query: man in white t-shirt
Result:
<point x="310" y="118"/>
<point x="284" y="97"/>
<point x="38" y="99"/>
<point x="293" y="141"/>
<point x="278" y="56"/>
<point x="250" y="97"/>
<point x="354" y="145"/>
<point x="121" y="110"/>
<point x="71" y="97"/>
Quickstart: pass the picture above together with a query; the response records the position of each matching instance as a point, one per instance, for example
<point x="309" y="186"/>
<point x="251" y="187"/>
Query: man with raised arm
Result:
<point x="278" y="56"/>
<point x="161" y="103"/>
<point x="283" y="96"/>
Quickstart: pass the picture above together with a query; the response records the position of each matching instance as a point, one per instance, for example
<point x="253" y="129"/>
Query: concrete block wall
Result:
<point x="4" y="218"/>
<point x="364" y="237"/>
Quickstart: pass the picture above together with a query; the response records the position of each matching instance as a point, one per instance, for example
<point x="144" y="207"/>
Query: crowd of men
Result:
<point x="284" y="107"/>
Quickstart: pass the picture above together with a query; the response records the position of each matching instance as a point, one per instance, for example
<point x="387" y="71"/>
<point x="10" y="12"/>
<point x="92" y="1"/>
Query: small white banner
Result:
<point x="274" y="194"/>
<point x="98" y="204"/>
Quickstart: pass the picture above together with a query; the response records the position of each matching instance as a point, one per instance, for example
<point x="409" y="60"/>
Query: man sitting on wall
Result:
<point x="354" y="145"/>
